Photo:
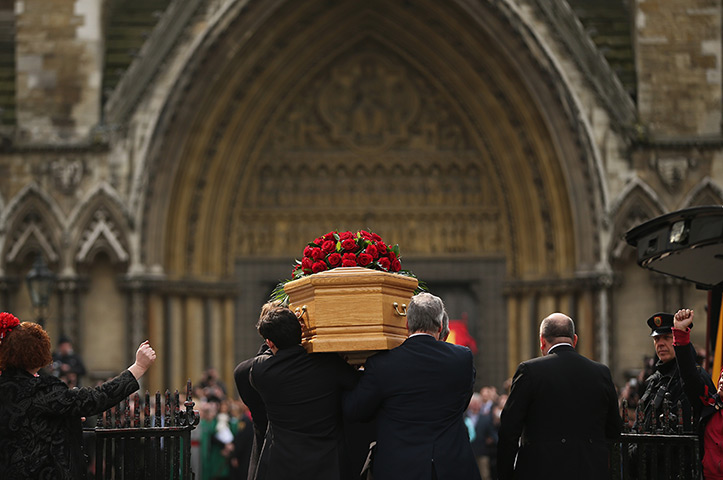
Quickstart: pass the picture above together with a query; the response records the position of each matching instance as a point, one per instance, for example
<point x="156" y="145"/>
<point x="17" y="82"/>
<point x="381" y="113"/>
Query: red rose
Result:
<point x="306" y="264"/>
<point x="384" y="263"/>
<point x="328" y="246"/>
<point x="392" y="256"/>
<point x="381" y="247"/>
<point x="376" y="237"/>
<point x="348" y="260"/>
<point x="364" y="259"/>
<point x="366" y="234"/>
<point x="348" y="245"/>
<point x="316" y="253"/>
<point x="307" y="251"/>
<point x="318" y="241"/>
<point x="334" y="259"/>
<point x="372" y="250"/>
<point x="329" y="236"/>
<point x="318" y="267"/>
<point x="346" y="235"/>
<point x="396" y="266"/>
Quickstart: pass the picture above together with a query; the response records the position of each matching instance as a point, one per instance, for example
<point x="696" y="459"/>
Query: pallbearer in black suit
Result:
<point x="301" y="395"/>
<point x="418" y="392"/>
<point x="561" y="411"/>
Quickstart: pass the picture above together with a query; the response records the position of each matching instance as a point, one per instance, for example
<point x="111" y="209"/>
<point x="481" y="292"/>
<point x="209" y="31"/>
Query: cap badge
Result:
<point x="657" y="321"/>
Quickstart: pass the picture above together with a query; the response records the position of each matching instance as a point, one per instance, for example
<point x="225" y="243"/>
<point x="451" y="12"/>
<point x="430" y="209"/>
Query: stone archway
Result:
<point x="432" y="125"/>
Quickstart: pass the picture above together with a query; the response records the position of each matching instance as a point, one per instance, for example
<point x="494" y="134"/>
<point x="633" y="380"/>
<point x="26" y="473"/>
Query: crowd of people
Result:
<point x="221" y="444"/>
<point x="483" y="414"/>
<point x="410" y="412"/>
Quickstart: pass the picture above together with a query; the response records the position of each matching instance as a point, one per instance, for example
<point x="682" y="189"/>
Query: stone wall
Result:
<point x="679" y="66"/>
<point x="58" y="62"/>
<point x="66" y="188"/>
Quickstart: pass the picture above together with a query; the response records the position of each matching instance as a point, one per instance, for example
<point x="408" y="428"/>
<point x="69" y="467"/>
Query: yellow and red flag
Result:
<point x="459" y="334"/>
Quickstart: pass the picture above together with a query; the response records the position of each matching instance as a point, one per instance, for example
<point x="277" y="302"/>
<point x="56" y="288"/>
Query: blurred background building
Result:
<point x="169" y="159"/>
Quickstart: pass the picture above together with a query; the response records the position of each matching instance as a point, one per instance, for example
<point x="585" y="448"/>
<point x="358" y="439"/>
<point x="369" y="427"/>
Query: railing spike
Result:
<point x="176" y="408"/>
<point x="147" y="410"/>
<point x="158" y="410"/>
<point x="127" y="412"/>
<point x="136" y="410"/>
<point x="117" y="415"/>
<point x="167" y="409"/>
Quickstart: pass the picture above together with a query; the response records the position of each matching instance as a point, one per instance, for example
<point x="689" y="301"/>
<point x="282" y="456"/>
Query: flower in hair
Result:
<point x="8" y="321"/>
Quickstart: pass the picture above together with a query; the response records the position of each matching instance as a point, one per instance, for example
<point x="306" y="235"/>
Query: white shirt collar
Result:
<point x="421" y="333"/>
<point x="557" y="345"/>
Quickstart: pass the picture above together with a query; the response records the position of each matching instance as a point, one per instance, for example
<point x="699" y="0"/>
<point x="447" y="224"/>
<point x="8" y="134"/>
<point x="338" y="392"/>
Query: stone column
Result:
<point x="138" y="313"/>
<point x="69" y="312"/>
<point x="59" y="54"/>
<point x="157" y="336"/>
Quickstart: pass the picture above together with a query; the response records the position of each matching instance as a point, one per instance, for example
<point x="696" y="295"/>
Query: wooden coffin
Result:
<point x="352" y="310"/>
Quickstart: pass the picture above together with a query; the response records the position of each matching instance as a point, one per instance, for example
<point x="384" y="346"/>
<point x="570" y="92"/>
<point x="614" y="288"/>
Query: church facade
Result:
<point x="169" y="160"/>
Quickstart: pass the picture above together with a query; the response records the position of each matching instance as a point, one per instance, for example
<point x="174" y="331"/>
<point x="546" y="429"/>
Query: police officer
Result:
<point x="665" y="382"/>
<point x="663" y="385"/>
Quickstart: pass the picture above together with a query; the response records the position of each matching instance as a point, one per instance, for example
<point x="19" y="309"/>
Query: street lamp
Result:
<point x="40" y="282"/>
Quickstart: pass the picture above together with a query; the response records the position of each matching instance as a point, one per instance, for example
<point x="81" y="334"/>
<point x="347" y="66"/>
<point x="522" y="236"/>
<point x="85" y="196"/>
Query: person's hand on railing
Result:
<point x="145" y="356"/>
<point x="683" y="319"/>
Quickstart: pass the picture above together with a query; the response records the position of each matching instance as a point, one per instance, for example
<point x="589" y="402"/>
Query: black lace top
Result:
<point x="40" y="429"/>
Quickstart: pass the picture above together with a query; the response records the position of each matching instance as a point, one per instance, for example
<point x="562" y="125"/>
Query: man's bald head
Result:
<point x="557" y="328"/>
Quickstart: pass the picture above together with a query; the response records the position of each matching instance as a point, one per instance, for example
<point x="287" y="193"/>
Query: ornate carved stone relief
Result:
<point x="445" y="232"/>
<point x="67" y="174"/>
<point x="371" y="144"/>
<point x="673" y="171"/>
<point x="366" y="104"/>
<point x="369" y="102"/>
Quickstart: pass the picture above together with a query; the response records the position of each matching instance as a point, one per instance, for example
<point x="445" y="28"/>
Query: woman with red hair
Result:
<point x="40" y="417"/>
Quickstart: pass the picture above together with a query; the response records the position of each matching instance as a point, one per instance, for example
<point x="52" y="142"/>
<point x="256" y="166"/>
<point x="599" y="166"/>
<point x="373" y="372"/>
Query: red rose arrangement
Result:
<point x="348" y="249"/>
<point x="345" y="249"/>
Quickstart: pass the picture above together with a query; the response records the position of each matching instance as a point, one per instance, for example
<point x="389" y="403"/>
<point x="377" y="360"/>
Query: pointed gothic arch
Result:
<point x="637" y="203"/>
<point x="706" y="192"/>
<point x="34" y="222"/>
<point x="292" y="119"/>
<point x="100" y="224"/>
<point x="492" y="102"/>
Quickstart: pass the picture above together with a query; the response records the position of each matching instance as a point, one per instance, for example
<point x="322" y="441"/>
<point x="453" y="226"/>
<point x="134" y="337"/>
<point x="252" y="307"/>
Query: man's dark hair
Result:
<point x="557" y="326"/>
<point x="281" y="326"/>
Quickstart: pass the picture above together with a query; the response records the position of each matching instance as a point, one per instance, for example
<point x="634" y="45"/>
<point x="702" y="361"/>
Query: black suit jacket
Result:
<point x="301" y="393"/>
<point x="419" y="392"/>
<point x="256" y="406"/>
<point x="564" y="408"/>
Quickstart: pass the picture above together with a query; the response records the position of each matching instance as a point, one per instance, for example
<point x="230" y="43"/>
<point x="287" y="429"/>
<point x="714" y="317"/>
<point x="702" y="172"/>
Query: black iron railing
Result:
<point x="125" y="445"/>
<point x="660" y="447"/>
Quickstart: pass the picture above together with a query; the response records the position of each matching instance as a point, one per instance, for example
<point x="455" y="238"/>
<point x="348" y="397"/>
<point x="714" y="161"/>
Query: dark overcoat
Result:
<point x="40" y="423"/>
<point x="301" y="394"/>
<point x="561" y="411"/>
<point x="418" y="392"/>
